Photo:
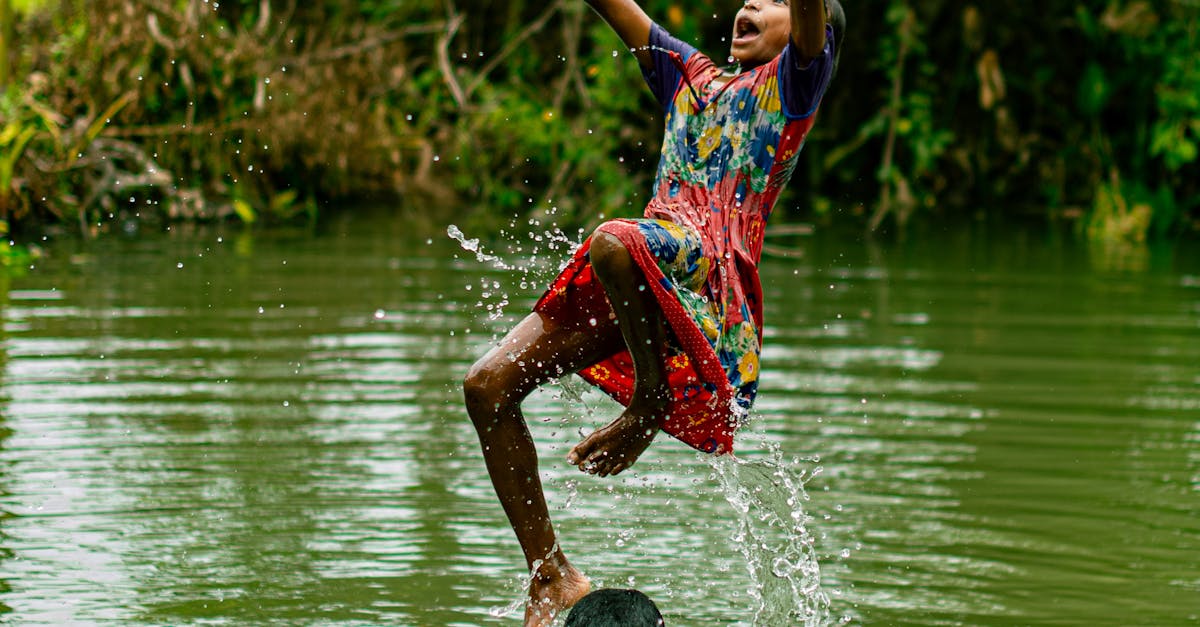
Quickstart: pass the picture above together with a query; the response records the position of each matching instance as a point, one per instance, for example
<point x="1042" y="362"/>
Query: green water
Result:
<point x="222" y="428"/>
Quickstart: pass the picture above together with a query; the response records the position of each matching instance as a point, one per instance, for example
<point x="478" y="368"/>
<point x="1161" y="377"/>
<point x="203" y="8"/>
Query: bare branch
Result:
<point x="512" y="46"/>
<point x="443" y="57"/>
<point x="365" y="45"/>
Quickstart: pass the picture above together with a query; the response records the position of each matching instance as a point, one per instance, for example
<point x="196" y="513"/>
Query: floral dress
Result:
<point x="728" y="150"/>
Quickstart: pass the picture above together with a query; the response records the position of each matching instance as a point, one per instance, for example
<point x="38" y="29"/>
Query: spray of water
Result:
<point x="472" y="245"/>
<point x="772" y="535"/>
<point x="507" y="611"/>
<point x="542" y="254"/>
<point x="525" y="583"/>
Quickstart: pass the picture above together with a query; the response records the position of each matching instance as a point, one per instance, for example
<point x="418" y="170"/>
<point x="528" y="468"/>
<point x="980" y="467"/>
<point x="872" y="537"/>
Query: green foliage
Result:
<point x="1147" y="85"/>
<point x="15" y="259"/>
<point x="567" y="153"/>
<point x="28" y="6"/>
<point x="23" y="121"/>
<point x="1094" y="90"/>
<point x="1176" y="131"/>
<point x="909" y="124"/>
<point x="191" y="107"/>
<point x="260" y="112"/>
<point x="13" y="140"/>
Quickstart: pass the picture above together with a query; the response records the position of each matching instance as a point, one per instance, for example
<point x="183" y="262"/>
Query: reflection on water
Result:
<point x="215" y="427"/>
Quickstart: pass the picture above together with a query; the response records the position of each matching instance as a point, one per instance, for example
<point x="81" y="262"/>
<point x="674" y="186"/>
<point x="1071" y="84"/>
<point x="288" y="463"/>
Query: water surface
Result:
<point x="212" y="426"/>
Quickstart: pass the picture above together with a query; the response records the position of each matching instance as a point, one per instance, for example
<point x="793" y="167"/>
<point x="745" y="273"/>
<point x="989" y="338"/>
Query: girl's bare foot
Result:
<point x="616" y="446"/>
<point x="555" y="588"/>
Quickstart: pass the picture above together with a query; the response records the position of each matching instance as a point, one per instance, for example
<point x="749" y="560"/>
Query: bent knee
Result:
<point x="480" y="390"/>
<point x="490" y="391"/>
<point x="609" y="256"/>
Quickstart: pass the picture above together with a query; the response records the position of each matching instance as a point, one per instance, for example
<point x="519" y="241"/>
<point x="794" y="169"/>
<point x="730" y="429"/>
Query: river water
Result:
<point x="213" y="426"/>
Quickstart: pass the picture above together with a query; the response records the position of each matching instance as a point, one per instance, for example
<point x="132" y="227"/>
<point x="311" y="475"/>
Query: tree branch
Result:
<point x="443" y="57"/>
<point x="889" y="149"/>
<point x="512" y="45"/>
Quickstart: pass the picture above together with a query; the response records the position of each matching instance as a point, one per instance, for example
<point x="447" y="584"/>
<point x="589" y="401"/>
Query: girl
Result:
<point x="663" y="313"/>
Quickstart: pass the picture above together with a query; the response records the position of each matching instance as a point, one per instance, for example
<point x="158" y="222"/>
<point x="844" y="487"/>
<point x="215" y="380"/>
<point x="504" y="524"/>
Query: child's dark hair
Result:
<point x="837" y="19"/>
<point x="615" y="608"/>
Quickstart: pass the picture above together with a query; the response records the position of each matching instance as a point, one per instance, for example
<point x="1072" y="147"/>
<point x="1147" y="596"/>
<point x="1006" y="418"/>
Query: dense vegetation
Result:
<point x="118" y="111"/>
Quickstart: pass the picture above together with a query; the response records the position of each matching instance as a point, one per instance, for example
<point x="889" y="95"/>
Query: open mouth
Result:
<point x="744" y="29"/>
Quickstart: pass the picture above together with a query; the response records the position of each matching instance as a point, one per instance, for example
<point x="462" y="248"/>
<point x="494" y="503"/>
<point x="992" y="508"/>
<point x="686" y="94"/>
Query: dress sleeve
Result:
<point x="803" y="87"/>
<point x="668" y="55"/>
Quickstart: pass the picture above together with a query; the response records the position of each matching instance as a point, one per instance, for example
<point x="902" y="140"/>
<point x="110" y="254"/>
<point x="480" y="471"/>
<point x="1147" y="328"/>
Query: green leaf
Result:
<point x="283" y="201"/>
<point x="98" y="125"/>
<point x="1185" y="152"/>
<point x="9" y="160"/>
<point x="244" y="211"/>
<point x="1094" y="90"/>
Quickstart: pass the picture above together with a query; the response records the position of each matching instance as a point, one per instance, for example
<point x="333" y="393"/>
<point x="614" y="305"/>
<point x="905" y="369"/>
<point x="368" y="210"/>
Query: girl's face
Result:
<point x="760" y="31"/>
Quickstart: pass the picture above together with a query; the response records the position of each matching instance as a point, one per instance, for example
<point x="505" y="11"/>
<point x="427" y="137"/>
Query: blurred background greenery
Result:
<point x="1083" y="113"/>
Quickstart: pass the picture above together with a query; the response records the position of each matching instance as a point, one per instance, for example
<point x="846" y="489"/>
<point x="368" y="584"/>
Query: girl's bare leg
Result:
<point x="536" y="350"/>
<point x="615" y="447"/>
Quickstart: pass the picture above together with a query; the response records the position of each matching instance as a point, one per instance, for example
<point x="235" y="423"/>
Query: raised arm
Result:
<point x="633" y="25"/>
<point x="808" y="28"/>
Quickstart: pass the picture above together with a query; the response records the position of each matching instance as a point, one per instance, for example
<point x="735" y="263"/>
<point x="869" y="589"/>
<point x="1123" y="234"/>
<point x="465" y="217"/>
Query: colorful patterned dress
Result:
<point x="727" y="152"/>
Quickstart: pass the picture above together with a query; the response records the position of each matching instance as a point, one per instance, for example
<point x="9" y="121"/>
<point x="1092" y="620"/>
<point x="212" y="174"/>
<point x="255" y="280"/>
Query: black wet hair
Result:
<point x="837" y="19"/>
<point x="614" y="608"/>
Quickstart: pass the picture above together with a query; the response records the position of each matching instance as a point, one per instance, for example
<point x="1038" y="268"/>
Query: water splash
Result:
<point x="543" y="254"/>
<point x="526" y="581"/>
<point x="472" y="245"/>
<point x="538" y="263"/>
<point x="773" y="538"/>
<point x="572" y="390"/>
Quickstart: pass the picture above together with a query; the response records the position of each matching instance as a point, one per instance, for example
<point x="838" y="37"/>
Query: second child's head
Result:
<point x="762" y="27"/>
